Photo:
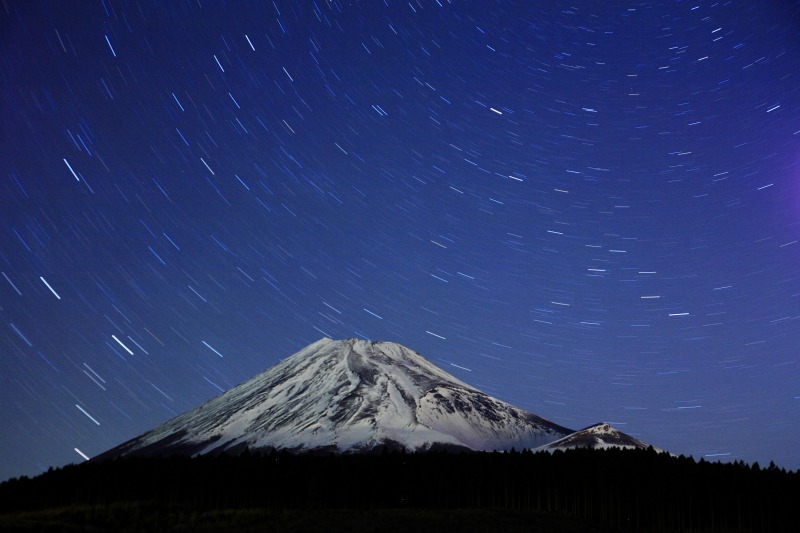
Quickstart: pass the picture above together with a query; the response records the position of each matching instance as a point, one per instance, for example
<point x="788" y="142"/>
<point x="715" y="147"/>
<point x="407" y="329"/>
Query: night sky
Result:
<point x="590" y="210"/>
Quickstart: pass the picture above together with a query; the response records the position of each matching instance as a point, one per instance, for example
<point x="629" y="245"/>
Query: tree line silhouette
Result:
<point x="619" y="490"/>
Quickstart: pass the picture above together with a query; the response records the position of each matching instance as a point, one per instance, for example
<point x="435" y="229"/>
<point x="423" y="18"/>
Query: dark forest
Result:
<point x="576" y="490"/>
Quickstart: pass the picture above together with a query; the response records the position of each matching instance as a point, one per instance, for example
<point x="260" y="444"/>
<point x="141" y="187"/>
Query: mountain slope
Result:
<point x="600" y="435"/>
<point x="351" y="395"/>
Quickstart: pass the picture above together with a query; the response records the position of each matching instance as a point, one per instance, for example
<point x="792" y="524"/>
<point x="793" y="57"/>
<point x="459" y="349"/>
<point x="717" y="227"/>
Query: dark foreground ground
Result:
<point x="136" y="517"/>
<point x="574" y="491"/>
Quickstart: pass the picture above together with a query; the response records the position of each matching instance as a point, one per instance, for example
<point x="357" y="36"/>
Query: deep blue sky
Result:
<point x="591" y="212"/>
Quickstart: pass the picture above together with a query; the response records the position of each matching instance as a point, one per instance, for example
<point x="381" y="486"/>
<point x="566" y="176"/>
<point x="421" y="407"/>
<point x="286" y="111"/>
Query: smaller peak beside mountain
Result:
<point x="598" y="436"/>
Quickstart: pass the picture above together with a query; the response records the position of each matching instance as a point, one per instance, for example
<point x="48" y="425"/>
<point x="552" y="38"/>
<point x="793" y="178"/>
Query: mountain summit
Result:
<point x="350" y="396"/>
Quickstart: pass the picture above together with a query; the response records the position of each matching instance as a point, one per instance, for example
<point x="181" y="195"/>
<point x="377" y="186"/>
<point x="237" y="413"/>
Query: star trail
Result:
<point x="590" y="211"/>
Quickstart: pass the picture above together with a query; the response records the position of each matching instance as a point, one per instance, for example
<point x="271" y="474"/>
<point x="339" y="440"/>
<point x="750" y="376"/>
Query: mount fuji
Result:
<point x="358" y="396"/>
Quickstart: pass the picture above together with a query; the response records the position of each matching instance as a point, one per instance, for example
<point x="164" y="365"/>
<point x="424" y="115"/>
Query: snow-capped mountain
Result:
<point x="600" y="435"/>
<point x="348" y="396"/>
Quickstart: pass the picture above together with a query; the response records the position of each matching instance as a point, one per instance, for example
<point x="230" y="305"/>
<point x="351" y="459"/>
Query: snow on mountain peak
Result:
<point x="348" y="395"/>
<point x="601" y="435"/>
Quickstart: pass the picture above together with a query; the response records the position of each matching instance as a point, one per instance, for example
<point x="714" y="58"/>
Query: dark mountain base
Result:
<point x="577" y="490"/>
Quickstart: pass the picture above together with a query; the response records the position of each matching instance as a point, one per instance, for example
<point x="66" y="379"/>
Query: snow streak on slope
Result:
<point x="348" y="395"/>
